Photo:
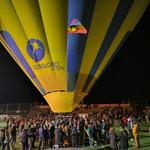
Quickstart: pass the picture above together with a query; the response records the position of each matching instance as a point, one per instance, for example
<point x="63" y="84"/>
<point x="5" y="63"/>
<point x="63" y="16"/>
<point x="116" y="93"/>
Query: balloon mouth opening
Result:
<point x="55" y="92"/>
<point x="63" y="101"/>
<point x="60" y="101"/>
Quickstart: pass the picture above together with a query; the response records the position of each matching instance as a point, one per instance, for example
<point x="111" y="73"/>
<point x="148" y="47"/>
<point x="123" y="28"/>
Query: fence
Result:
<point x="15" y="108"/>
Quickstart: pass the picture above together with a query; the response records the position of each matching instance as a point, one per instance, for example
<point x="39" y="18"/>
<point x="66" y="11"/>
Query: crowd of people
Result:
<point x="44" y="129"/>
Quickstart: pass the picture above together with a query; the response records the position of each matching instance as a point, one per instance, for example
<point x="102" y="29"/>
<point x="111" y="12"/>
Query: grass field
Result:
<point x="144" y="142"/>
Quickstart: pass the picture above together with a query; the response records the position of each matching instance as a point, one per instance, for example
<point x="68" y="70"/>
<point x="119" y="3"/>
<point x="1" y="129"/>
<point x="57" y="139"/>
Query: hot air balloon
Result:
<point x="64" y="46"/>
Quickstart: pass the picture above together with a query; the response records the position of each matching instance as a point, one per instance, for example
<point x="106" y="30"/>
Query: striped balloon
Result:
<point x="64" y="46"/>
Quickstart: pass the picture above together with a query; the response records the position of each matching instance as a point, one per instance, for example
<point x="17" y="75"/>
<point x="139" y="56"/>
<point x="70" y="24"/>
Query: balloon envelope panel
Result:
<point x="65" y="46"/>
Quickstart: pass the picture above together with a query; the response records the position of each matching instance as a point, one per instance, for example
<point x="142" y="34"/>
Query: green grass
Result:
<point x="144" y="142"/>
<point x="3" y="124"/>
<point x="144" y="137"/>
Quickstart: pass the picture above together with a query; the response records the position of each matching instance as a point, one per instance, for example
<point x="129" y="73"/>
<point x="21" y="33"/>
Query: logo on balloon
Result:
<point x="76" y="27"/>
<point x="53" y="65"/>
<point x="35" y="49"/>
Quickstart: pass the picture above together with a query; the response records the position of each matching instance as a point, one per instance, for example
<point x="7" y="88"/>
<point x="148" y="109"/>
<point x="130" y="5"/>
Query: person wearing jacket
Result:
<point x="51" y="135"/>
<point x="123" y="140"/>
<point x="90" y="135"/>
<point x="2" y="139"/>
<point x="24" y="139"/>
<point x="130" y="127"/>
<point x="30" y="137"/>
<point x="74" y="135"/>
<point x="33" y="130"/>
<point x="41" y="137"/>
<point x="113" y="139"/>
<point x="135" y="132"/>
<point x="58" y="136"/>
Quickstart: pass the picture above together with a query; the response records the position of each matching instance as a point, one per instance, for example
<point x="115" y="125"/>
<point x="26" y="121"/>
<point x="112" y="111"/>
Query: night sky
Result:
<point x="127" y="77"/>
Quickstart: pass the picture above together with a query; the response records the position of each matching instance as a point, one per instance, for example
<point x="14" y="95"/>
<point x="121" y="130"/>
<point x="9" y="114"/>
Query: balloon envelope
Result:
<point x="64" y="46"/>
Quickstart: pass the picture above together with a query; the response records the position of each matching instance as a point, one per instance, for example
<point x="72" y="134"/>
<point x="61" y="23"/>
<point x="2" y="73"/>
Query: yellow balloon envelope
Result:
<point x="64" y="46"/>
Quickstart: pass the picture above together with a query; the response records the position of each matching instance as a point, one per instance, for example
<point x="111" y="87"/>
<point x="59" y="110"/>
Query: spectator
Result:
<point x="90" y="135"/>
<point x="58" y="136"/>
<point x="51" y="135"/>
<point x="30" y="137"/>
<point x="13" y="133"/>
<point x="130" y="126"/>
<point x="2" y="139"/>
<point x="24" y="139"/>
<point x="41" y="137"/>
<point x="74" y="135"/>
<point x="136" y="134"/>
<point x="123" y="145"/>
<point x="113" y="139"/>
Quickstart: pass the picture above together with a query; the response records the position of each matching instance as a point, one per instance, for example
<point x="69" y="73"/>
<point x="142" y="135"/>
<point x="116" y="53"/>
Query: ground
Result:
<point x="144" y="142"/>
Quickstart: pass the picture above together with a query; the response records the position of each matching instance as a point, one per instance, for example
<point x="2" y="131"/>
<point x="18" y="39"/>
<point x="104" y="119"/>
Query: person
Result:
<point x="124" y="122"/>
<point x="33" y="130"/>
<point x="7" y="139"/>
<point x="13" y="133"/>
<point x="90" y="135"/>
<point x="41" y="137"/>
<point x="130" y="127"/>
<point x="51" y="135"/>
<point x="2" y="139"/>
<point x="58" y="136"/>
<point x="123" y="140"/>
<point x="74" y="135"/>
<point x="113" y="139"/>
<point x="135" y="132"/>
<point x="30" y="138"/>
<point x="106" y="127"/>
<point x="24" y="139"/>
<point x="66" y="136"/>
<point x="46" y="135"/>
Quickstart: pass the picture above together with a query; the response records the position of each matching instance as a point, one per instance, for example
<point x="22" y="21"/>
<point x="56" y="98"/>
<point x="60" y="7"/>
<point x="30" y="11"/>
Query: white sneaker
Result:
<point x="131" y="139"/>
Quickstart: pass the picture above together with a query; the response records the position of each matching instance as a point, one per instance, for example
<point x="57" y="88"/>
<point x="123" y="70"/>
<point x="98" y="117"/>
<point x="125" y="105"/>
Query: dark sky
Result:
<point x="127" y="77"/>
<point x="14" y="85"/>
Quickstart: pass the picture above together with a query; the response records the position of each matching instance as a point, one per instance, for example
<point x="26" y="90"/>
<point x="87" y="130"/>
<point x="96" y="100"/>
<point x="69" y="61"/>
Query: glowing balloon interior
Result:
<point x="64" y="46"/>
